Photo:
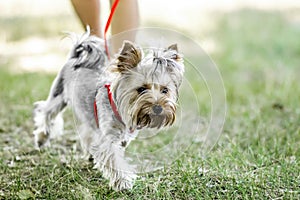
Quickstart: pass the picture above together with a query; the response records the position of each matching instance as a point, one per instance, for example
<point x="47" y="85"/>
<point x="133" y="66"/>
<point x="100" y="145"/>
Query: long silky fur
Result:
<point x="81" y="82"/>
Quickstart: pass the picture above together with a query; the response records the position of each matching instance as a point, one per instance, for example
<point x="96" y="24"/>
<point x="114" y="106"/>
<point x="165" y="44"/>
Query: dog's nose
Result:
<point x="157" y="109"/>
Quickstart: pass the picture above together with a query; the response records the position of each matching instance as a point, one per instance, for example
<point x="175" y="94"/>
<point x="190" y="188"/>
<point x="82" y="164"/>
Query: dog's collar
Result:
<point x="112" y="104"/>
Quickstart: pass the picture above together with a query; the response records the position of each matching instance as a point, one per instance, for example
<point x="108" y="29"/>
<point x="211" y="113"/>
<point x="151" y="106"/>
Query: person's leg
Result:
<point x="88" y="12"/>
<point x="126" y="17"/>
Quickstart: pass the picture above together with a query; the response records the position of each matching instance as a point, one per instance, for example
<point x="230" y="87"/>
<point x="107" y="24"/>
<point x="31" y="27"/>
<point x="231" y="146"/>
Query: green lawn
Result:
<point x="257" y="156"/>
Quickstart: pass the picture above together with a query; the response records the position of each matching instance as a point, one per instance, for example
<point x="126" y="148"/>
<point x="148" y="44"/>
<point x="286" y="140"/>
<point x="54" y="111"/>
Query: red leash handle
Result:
<point x="112" y="11"/>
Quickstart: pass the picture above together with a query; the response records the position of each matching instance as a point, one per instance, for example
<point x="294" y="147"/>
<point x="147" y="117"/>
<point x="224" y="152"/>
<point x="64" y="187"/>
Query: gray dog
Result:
<point x="112" y="101"/>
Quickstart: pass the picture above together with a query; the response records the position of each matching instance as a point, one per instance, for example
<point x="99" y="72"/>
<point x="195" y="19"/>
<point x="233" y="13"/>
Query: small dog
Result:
<point x="112" y="101"/>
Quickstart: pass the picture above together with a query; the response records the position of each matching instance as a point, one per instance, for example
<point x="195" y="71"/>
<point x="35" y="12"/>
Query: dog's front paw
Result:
<point x="119" y="179"/>
<point x="123" y="183"/>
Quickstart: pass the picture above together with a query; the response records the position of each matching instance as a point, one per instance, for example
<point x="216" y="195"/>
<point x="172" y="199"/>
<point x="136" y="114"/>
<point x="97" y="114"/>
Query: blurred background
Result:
<point x="32" y="30"/>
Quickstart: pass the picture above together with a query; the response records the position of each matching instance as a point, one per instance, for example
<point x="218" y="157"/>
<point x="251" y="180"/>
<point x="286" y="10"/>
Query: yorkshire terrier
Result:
<point x="112" y="100"/>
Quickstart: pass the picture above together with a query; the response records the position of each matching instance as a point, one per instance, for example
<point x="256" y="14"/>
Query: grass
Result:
<point x="257" y="156"/>
<point x="20" y="27"/>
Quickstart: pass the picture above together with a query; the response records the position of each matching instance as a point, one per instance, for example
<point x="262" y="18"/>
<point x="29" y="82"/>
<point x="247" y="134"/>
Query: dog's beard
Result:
<point x="141" y="114"/>
<point x="154" y="121"/>
<point x="137" y="108"/>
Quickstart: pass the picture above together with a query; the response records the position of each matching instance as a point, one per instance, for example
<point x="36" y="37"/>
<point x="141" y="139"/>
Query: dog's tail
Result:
<point x="89" y="52"/>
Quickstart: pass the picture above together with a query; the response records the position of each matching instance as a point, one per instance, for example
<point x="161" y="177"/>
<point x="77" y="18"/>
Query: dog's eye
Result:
<point x="141" y="90"/>
<point x="165" y="90"/>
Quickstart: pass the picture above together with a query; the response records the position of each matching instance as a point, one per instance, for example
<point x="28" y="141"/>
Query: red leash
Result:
<point x="112" y="11"/>
<point x="96" y="113"/>
<point x="112" y="104"/>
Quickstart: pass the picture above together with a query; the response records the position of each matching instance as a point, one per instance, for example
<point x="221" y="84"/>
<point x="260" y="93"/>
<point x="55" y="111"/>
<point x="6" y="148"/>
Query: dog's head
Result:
<point x="146" y="90"/>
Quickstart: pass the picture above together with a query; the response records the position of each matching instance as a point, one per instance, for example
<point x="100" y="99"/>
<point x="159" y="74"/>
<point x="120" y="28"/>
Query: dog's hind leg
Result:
<point x="47" y="115"/>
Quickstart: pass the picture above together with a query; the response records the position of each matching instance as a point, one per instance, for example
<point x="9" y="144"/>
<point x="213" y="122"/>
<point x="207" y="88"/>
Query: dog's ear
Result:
<point x="173" y="52"/>
<point x="175" y="61"/>
<point x="128" y="57"/>
<point x="173" y="47"/>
